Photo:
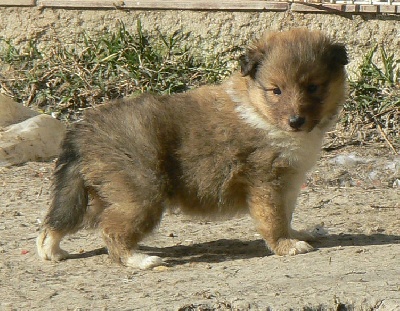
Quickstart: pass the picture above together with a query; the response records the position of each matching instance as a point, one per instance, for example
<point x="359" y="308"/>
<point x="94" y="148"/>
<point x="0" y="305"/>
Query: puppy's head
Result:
<point x="296" y="78"/>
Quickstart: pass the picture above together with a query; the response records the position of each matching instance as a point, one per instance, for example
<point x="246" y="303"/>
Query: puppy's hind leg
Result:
<point x="123" y="225"/>
<point x="48" y="245"/>
<point x="67" y="209"/>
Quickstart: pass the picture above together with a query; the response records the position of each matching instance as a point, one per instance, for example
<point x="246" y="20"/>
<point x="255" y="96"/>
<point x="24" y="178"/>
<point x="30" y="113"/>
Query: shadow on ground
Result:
<point x="227" y="250"/>
<point x="335" y="240"/>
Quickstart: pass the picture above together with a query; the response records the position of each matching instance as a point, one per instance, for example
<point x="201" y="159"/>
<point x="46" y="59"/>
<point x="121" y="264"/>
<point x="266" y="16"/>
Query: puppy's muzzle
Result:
<point x="296" y="122"/>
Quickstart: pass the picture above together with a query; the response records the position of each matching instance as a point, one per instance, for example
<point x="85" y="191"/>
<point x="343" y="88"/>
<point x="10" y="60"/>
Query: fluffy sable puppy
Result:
<point x="242" y="146"/>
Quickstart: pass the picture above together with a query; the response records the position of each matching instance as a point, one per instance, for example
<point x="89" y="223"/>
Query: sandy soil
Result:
<point x="221" y="265"/>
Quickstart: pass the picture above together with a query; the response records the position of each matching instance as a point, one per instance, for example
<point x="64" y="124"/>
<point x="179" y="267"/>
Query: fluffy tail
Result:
<point x="70" y="196"/>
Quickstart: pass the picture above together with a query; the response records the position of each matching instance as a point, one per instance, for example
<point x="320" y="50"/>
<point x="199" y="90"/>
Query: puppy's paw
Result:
<point x="48" y="246"/>
<point x="291" y="247"/>
<point x="300" y="247"/>
<point x="142" y="261"/>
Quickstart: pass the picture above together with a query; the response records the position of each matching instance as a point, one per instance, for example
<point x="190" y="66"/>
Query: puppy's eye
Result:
<point x="276" y="91"/>
<point x="312" y="88"/>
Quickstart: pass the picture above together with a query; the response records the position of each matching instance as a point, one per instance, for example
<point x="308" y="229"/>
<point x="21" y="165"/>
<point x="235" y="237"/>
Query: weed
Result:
<point x="64" y="80"/>
<point x="374" y="99"/>
<point x="376" y="89"/>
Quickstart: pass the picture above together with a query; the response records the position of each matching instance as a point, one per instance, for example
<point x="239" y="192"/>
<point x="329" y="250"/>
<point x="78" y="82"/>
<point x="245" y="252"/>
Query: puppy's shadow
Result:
<point x="92" y="253"/>
<point x="214" y="251"/>
<point x="228" y="250"/>
<point x="209" y="252"/>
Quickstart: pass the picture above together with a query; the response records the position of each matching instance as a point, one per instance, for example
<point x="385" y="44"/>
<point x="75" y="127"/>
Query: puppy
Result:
<point x="242" y="146"/>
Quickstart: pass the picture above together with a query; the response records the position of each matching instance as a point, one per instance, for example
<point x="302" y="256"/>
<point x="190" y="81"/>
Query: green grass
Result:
<point x="374" y="96"/>
<point x="67" y="79"/>
<point x="377" y="87"/>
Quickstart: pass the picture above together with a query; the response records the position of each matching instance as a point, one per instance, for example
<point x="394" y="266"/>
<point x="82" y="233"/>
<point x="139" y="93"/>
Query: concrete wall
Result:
<point x="210" y="31"/>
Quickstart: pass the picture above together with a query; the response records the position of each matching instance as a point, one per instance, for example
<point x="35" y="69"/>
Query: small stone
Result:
<point x="161" y="268"/>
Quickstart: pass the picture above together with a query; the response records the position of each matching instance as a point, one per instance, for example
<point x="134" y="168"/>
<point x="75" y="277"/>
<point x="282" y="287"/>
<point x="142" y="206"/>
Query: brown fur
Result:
<point x="243" y="146"/>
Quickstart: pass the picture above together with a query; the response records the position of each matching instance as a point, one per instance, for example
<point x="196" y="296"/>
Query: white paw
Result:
<point x="48" y="246"/>
<point x="142" y="261"/>
<point x="300" y="247"/>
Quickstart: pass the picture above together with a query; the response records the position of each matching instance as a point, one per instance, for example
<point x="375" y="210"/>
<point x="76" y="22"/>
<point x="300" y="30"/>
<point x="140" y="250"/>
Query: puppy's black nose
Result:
<point x="296" y="122"/>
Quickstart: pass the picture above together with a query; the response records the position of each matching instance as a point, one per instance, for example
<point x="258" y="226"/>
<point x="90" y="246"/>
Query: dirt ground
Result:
<point x="220" y="265"/>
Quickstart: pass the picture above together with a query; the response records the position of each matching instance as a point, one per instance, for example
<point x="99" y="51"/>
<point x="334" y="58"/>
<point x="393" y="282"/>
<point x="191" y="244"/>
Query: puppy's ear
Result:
<point x="250" y="61"/>
<point x="338" y="55"/>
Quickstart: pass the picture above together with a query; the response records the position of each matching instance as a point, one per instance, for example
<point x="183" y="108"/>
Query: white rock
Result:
<point x="37" y="138"/>
<point x="348" y="160"/>
<point x="12" y="112"/>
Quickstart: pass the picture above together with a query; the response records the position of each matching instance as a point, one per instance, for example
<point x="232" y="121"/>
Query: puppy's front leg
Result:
<point x="267" y="207"/>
